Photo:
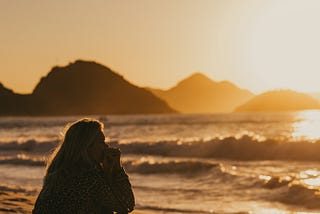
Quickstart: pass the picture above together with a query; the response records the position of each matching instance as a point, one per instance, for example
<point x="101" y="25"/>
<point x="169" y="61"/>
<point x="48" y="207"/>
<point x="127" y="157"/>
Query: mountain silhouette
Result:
<point x="83" y="88"/>
<point x="13" y="104"/>
<point x="5" y="91"/>
<point x="199" y="94"/>
<point x="280" y="100"/>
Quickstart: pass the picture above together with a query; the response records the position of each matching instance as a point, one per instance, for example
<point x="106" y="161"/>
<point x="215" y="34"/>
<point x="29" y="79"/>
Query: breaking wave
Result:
<point x="290" y="190"/>
<point x="297" y="194"/>
<point x="170" y="167"/>
<point x="23" y="160"/>
<point x="16" y="189"/>
<point x="243" y="148"/>
<point x="141" y="167"/>
<point x="29" y="145"/>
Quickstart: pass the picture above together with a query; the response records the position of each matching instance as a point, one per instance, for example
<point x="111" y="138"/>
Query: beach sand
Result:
<point x="21" y="202"/>
<point x="16" y="202"/>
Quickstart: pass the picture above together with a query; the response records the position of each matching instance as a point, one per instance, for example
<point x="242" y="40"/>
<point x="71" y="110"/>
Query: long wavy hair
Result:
<point x="71" y="154"/>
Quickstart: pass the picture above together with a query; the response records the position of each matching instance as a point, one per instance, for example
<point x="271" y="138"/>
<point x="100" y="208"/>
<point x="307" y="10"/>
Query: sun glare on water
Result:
<point x="311" y="178"/>
<point x="312" y="182"/>
<point x="307" y="125"/>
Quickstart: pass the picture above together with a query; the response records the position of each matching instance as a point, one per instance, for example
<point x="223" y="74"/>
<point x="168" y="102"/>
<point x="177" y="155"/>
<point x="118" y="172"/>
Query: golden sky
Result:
<point x="257" y="44"/>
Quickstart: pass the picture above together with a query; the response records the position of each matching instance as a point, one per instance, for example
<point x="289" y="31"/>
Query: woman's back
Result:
<point x="74" y="194"/>
<point x="84" y="175"/>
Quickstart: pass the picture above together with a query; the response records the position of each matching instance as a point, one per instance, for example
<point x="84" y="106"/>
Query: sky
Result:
<point x="259" y="45"/>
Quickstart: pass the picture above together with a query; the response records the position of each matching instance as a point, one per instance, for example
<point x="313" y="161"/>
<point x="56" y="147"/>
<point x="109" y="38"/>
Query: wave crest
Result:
<point x="169" y="167"/>
<point x="244" y="148"/>
<point x="291" y="190"/>
<point x="23" y="160"/>
<point x="29" y="145"/>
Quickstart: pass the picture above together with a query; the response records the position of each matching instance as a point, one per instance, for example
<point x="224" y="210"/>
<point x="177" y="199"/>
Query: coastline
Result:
<point x="22" y="202"/>
<point x="16" y="202"/>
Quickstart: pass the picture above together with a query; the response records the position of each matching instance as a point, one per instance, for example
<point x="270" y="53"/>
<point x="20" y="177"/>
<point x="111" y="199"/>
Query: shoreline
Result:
<point x="19" y="202"/>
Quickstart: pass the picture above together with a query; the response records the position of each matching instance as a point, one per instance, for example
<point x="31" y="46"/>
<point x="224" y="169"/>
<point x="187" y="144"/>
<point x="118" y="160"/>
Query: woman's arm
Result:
<point x="112" y="193"/>
<point x="121" y="189"/>
<point x="117" y="179"/>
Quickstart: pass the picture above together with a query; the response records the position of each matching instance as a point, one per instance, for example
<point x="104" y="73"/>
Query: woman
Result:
<point x="84" y="175"/>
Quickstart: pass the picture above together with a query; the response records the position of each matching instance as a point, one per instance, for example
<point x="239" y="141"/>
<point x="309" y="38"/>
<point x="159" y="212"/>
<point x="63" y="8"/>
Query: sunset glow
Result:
<point x="307" y="126"/>
<point x="311" y="178"/>
<point x="258" y="45"/>
<point x="160" y="106"/>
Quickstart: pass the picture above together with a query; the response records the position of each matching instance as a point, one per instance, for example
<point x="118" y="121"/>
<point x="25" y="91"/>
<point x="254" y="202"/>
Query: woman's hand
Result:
<point x="111" y="161"/>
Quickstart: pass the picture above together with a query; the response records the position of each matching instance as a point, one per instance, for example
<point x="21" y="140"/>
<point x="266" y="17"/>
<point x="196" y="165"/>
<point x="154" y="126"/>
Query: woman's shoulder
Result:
<point x="92" y="174"/>
<point x="76" y="179"/>
<point x="94" y="171"/>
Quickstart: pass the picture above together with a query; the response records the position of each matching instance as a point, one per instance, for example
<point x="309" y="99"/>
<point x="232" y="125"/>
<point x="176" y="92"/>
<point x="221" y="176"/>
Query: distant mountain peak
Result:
<point x="280" y="100"/>
<point x="199" y="94"/>
<point x="82" y="65"/>
<point x="197" y="78"/>
<point x="194" y="81"/>
<point x="88" y="63"/>
<point x="83" y="87"/>
<point x="92" y="65"/>
<point x="198" y="75"/>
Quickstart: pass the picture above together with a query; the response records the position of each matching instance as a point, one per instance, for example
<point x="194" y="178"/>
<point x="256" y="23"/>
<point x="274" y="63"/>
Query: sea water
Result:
<point x="217" y="163"/>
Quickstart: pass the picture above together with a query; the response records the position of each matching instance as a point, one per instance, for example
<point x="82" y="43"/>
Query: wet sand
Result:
<point x="21" y="202"/>
<point x="15" y="202"/>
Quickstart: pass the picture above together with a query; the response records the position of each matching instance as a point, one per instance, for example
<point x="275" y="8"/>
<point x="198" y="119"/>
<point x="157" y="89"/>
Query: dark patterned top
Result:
<point x="89" y="192"/>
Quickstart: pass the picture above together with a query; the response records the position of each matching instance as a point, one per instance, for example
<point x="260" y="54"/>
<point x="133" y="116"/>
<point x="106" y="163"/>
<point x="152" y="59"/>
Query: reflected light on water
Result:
<point x="312" y="182"/>
<point x="265" y="177"/>
<point x="310" y="172"/>
<point x="307" y="125"/>
<point x="269" y="211"/>
<point x="311" y="178"/>
<point x="305" y="213"/>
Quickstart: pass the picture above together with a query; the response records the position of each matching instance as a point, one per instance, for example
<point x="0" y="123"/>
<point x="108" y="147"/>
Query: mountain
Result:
<point x="11" y="103"/>
<point x="199" y="94"/>
<point x="5" y="91"/>
<point x="280" y="100"/>
<point x="84" y="88"/>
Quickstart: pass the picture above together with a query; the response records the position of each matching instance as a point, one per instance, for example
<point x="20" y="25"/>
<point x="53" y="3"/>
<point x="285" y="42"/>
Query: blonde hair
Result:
<point x="72" y="153"/>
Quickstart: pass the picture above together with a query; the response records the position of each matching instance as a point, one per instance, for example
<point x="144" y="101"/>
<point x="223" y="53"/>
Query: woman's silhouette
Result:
<point x="84" y="175"/>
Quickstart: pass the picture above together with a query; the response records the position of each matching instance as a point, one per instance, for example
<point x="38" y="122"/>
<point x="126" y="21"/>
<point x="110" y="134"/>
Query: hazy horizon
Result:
<point x="154" y="87"/>
<point x="150" y="86"/>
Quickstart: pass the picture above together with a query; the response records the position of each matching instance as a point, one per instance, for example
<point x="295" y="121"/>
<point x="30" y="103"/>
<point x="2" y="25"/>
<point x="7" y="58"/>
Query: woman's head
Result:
<point x="82" y="146"/>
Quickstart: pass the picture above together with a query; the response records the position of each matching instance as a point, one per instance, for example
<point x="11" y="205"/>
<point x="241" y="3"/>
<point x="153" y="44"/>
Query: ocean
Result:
<point x="215" y="163"/>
